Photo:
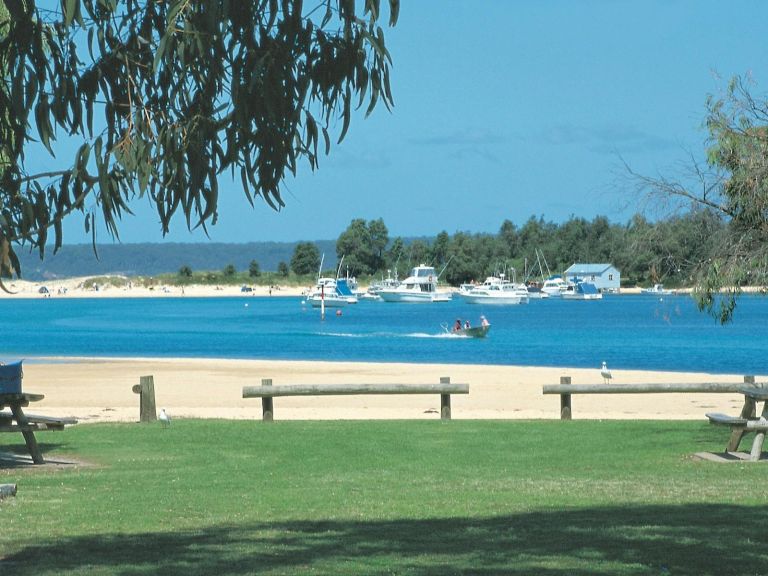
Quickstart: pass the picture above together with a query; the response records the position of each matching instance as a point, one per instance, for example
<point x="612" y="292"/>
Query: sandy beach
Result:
<point x="98" y="390"/>
<point x="82" y="288"/>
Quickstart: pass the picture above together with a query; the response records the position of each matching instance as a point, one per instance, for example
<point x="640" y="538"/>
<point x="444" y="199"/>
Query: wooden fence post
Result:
<point x="267" y="408"/>
<point x="445" y="400"/>
<point x="748" y="411"/>
<point x="565" y="400"/>
<point x="146" y="391"/>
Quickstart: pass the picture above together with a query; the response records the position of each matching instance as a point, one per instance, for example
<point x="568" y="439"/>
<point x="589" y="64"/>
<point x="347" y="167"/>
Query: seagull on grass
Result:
<point x="605" y="373"/>
<point x="165" y="420"/>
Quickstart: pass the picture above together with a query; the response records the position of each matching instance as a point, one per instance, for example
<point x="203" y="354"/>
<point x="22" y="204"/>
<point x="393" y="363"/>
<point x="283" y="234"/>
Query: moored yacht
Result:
<point x="376" y="287"/>
<point x="495" y="290"/>
<point x="582" y="291"/>
<point x="554" y="286"/>
<point x="419" y="286"/>
<point x="657" y="289"/>
<point x="331" y="293"/>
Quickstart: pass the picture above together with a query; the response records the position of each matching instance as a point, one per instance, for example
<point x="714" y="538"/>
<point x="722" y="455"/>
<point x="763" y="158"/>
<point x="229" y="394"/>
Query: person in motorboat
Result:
<point x="467" y="325"/>
<point x="484" y="322"/>
<point x="457" y="326"/>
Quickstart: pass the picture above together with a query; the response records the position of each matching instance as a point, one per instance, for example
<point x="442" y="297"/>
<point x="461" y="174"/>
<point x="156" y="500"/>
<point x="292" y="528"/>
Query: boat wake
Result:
<point x="391" y="335"/>
<point x="440" y="335"/>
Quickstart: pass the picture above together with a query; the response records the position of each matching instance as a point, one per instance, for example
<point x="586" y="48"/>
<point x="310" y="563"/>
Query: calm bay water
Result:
<point x="627" y="331"/>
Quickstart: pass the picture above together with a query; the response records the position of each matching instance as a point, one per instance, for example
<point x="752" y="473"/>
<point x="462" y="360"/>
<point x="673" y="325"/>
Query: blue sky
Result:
<point x="506" y="109"/>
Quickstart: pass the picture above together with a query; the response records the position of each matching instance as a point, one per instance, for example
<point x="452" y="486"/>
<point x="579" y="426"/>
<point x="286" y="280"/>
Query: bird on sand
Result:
<point x="165" y="420"/>
<point x="605" y="373"/>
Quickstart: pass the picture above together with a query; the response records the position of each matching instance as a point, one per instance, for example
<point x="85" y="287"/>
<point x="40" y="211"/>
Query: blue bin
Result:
<point x="10" y="378"/>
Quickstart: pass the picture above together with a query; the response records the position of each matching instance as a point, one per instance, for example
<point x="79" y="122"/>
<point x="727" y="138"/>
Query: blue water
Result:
<point x="627" y="331"/>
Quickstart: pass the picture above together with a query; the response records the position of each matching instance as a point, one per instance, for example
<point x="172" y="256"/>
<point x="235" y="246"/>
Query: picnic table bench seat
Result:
<point x="726" y="420"/>
<point x="12" y="396"/>
<point x="749" y="424"/>
<point x="17" y="421"/>
<point x="34" y="422"/>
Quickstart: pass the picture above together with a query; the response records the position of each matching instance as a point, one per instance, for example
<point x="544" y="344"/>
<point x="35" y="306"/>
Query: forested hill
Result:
<point x="150" y="259"/>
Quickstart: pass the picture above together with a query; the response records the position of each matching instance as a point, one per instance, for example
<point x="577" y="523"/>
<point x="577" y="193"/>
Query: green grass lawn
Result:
<point x="212" y="497"/>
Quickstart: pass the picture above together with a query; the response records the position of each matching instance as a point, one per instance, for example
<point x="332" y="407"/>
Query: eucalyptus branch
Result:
<point x="76" y="205"/>
<point x="663" y="186"/>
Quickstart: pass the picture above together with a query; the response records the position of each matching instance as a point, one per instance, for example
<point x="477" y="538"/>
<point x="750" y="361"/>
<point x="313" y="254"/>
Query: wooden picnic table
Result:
<point x="747" y="421"/>
<point x="27" y="424"/>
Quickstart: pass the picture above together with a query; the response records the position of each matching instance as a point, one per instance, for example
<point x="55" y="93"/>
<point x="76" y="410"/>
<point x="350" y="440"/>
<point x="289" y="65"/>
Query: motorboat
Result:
<point x="473" y="332"/>
<point x="535" y="292"/>
<point x="372" y="293"/>
<point x="420" y="286"/>
<point x="331" y="293"/>
<point x="469" y="331"/>
<point x="554" y="286"/>
<point x="495" y="290"/>
<point x="582" y="291"/>
<point x="657" y="289"/>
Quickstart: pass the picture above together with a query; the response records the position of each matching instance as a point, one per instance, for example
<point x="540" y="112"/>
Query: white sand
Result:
<point x="101" y="390"/>
<point x="82" y="288"/>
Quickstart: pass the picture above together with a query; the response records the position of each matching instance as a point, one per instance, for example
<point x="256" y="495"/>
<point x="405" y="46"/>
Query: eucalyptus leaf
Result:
<point x="181" y="91"/>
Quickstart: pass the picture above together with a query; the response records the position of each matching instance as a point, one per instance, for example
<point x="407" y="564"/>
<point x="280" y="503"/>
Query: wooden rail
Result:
<point x="565" y="389"/>
<point x="267" y="392"/>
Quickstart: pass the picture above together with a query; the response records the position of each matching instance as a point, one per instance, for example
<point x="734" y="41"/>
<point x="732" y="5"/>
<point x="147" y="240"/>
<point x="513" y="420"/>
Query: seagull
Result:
<point x="605" y="373"/>
<point x="164" y="418"/>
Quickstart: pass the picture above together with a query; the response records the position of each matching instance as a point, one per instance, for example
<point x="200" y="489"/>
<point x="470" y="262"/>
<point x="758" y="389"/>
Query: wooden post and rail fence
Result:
<point x="565" y="390"/>
<point x="747" y="422"/>
<point x="267" y="392"/>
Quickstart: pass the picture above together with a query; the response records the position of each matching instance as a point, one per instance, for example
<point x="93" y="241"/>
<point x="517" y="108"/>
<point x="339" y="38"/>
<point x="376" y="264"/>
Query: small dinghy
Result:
<point x="464" y="329"/>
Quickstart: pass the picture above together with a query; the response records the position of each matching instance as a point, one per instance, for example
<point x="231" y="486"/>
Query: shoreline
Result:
<point x="100" y="390"/>
<point x="75" y="288"/>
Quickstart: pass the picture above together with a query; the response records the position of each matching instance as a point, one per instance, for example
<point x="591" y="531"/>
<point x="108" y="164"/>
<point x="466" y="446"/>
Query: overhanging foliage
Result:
<point x="166" y="97"/>
<point x="734" y="183"/>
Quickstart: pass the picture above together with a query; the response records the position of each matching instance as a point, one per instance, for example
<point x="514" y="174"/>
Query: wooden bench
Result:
<point x="17" y="421"/>
<point x="747" y="421"/>
<point x="267" y="392"/>
<point x="34" y="422"/>
<point x="725" y="420"/>
<point x="565" y="389"/>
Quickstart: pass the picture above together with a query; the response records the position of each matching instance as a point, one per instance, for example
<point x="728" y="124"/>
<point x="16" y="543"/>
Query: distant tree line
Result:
<point x="645" y="252"/>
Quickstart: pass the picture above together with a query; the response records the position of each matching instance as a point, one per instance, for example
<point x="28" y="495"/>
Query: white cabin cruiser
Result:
<point x="657" y="289"/>
<point x="496" y="290"/>
<point x="419" y="286"/>
<point x="554" y="286"/>
<point x="331" y="293"/>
